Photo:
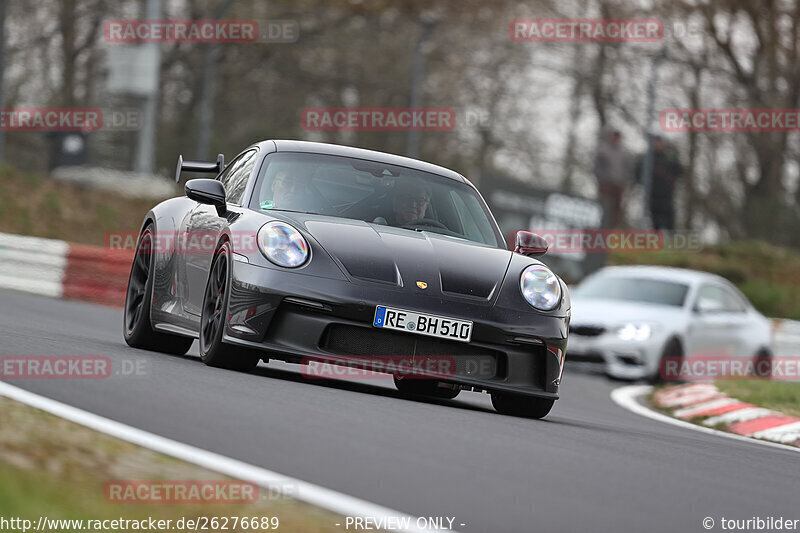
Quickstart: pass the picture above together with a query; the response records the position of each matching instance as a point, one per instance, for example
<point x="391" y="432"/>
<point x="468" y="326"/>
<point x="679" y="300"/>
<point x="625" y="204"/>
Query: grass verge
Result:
<point x="781" y="396"/>
<point x="32" y="204"/>
<point x="54" y="468"/>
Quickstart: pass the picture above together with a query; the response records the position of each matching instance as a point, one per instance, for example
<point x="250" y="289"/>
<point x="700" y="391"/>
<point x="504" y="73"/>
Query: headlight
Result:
<point x="540" y="287"/>
<point x="635" y="332"/>
<point x="282" y="244"/>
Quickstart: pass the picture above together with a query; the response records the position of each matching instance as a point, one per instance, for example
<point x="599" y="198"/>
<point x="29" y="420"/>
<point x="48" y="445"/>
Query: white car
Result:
<point x="625" y="320"/>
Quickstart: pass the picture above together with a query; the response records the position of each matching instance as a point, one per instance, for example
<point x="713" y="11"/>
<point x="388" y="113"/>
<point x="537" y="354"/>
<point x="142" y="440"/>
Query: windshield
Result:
<point x="633" y="289"/>
<point x="374" y="192"/>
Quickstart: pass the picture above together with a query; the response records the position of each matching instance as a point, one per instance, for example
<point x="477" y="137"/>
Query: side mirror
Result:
<point x="528" y="243"/>
<point x="207" y="191"/>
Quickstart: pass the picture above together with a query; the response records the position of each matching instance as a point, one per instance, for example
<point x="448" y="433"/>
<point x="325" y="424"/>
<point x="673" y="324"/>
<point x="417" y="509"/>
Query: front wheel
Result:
<point x="522" y="406"/>
<point x="213" y="351"/>
<point x="137" y="329"/>
<point x="762" y="363"/>
<point x="669" y="363"/>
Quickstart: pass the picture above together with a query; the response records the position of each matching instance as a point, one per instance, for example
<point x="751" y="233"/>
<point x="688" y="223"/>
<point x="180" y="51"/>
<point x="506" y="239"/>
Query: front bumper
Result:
<point x="296" y="317"/>
<point x="614" y="357"/>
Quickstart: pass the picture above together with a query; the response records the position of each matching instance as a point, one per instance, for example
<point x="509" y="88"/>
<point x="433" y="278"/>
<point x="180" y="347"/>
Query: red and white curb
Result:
<point x="64" y="270"/>
<point x="705" y="400"/>
<point x="632" y="398"/>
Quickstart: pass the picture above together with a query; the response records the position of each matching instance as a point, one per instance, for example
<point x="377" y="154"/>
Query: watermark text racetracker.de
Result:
<point x="186" y="492"/>
<point x="730" y="120"/>
<point x="392" y="119"/>
<point x="370" y="367"/>
<point x="69" y="119"/>
<point x="70" y="367"/>
<point x="711" y="367"/>
<point x="378" y="119"/>
<point x="195" y="524"/>
<point x="121" y="31"/>
<point x="182" y="242"/>
<point x="581" y="240"/>
<point x="586" y="30"/>
<point x="180" y="31"/>
<point x="131" y="491"/>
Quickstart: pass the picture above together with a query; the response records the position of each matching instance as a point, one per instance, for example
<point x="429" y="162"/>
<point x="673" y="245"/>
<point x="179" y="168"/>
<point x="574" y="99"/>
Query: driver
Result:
<point x="291" y="190"/>
<point x="287" y="192"/>
<point x="410" y="201"/>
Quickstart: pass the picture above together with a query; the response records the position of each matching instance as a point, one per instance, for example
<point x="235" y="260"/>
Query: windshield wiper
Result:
<point x="290" y="211"/>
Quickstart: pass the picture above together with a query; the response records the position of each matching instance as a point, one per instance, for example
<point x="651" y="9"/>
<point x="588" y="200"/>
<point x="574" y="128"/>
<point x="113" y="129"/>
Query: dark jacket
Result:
<point x="666" y="172"/>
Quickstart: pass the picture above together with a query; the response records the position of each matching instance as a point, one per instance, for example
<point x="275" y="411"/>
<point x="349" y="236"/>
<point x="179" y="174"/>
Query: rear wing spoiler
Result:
<point x="199" y="166"/>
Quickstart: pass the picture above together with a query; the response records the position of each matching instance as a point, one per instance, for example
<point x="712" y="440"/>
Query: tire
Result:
<point x="672" y="350"/>
<point x="213" y="351"/>
<point x="521" y="406"/>
<point x="763" y="356"/>
<point x="136" y="326"/>
<point x="424" y="387"/>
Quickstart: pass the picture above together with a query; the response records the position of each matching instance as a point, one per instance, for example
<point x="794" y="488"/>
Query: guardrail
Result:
<point x="32" y="264"/>
<point x="63" y="270"/>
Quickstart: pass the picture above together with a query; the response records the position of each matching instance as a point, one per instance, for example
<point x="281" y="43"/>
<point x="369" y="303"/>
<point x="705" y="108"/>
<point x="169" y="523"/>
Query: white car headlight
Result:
<point x="282" y="244"/>
<point x="635" y="332"/>
<point x="540" y="287"/>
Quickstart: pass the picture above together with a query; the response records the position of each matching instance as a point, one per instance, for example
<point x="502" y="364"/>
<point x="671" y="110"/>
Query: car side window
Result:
<point x="234" y="178"/>
<point x="475" y="226"/>
<point x="710" y="298"/>
<point x="226" y="174"/>
<point x="733" y="302"/>
<point x="470" y="229"/>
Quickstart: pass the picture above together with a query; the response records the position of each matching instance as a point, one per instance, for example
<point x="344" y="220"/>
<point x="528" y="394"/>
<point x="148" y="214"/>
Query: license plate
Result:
<point x="423" y="324"/>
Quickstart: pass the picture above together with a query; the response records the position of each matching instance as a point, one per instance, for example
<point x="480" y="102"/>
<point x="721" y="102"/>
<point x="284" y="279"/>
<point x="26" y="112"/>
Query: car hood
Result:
<point x="609" y="313"/>
<point x="394" y="256"/>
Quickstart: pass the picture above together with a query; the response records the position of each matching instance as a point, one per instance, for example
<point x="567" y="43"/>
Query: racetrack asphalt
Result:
<point x="589" y="466"/>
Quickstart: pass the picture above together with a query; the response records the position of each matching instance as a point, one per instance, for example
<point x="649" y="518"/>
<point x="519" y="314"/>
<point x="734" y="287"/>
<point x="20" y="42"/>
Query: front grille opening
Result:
<point x="631" y="360"/>
<point x="470" y="360"/>
<point x="587" y="331"/>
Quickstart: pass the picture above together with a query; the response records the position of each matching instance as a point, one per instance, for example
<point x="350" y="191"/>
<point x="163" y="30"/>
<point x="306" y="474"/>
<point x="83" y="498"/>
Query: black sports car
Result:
<point x="310" y="252"/>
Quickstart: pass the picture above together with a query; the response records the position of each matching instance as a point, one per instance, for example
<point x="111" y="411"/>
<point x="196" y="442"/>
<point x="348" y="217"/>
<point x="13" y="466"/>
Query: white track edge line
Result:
<point x="328" y="499"/>
<point x="625" y="397"/>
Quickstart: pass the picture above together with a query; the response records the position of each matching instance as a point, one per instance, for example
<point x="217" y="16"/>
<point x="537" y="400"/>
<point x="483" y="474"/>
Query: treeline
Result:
<point x="528" y="110"/>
